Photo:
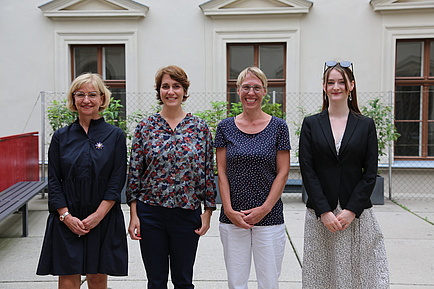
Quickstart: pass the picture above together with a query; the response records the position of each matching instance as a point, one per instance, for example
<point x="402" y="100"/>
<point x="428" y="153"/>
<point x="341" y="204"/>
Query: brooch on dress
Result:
<point x="99" y="146"/>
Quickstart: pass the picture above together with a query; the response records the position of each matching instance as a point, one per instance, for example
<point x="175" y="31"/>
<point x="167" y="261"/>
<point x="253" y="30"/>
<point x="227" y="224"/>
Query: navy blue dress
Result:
<point x="83" y="170"/>
<point x="251" y="165"/>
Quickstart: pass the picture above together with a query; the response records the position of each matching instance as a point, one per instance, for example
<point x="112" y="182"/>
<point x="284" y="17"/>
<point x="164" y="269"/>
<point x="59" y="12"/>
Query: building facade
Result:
<point x="390" y="43"/>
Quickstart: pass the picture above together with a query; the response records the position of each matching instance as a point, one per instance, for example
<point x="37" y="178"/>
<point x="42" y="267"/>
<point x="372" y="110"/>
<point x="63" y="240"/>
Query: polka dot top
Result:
<point x="251" y="165"/>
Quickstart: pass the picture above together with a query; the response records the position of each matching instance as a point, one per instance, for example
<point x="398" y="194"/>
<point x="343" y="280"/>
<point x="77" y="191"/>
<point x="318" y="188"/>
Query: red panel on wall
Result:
<point x="19" y="159"/>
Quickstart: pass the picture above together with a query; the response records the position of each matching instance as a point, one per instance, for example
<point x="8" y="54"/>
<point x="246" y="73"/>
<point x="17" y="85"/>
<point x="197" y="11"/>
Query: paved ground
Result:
<point x="408" y="230"/>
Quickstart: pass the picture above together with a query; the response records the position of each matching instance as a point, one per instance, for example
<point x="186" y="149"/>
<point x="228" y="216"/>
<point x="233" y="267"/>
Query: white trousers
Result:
<point x="265" y="243"/>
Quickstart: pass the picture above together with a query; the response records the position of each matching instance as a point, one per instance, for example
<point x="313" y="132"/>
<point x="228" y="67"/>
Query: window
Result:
<point x="269" y="57"/>
<point x="414" y="99"/>
<point x="106" y="60"/>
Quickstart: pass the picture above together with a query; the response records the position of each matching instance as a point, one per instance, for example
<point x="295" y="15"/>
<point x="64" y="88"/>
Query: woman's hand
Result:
<point x="92" y="221"/>
<point x="206" y="223"/>
<point x="75" y="225"/>
<point x="134" y="227"/>
<point x="345" y="218"/>
<point x="255" y="215"/>
<point x="331" y="222"/>
<point x="237" y="218"/>
<point x="96" y="217"/>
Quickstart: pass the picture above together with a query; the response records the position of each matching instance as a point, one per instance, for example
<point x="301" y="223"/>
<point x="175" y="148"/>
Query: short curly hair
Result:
<point x="177" y="74"/>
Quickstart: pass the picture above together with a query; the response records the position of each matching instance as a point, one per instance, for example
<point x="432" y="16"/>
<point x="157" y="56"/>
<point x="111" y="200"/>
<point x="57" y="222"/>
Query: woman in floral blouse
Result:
<point x="171" y="174"/>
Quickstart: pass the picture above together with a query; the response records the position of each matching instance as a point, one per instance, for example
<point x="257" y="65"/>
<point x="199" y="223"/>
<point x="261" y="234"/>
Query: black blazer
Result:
<point x="348" y="177"/>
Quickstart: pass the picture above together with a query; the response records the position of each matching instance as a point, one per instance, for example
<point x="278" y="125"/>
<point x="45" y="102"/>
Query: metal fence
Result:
<point x="402" y="179"/>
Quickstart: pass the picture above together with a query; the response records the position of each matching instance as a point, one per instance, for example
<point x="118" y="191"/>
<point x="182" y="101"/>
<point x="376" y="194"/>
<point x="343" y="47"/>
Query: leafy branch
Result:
<point x="386" y="130"/>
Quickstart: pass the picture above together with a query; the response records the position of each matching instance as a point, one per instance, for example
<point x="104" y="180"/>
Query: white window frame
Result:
<point x="391" y="35"/>
<point x="62" y="60"/>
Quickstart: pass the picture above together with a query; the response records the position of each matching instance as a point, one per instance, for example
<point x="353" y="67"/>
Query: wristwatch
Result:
<point x="62" y="217"/>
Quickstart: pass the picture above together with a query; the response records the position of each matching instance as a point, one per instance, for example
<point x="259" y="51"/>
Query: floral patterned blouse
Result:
<point x="172" y="168"/>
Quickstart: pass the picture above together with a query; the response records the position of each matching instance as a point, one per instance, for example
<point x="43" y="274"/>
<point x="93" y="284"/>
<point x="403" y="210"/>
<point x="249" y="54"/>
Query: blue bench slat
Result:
<point x="294" y="182"/>
<point x="17" y="195"/>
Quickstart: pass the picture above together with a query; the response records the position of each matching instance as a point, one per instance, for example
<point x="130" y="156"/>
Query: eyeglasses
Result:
<point x="333" y="63"/>
<point x="256" y="88"/>
<point x="81" y="95"/>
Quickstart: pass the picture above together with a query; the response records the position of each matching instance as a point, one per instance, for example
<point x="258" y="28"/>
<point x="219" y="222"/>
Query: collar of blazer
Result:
<point x="324" y="121"/>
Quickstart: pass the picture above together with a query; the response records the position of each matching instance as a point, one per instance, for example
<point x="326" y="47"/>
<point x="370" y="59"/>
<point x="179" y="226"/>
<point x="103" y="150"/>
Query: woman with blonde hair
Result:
<point x="253" y="166"/>
<point x="85" y="233"/>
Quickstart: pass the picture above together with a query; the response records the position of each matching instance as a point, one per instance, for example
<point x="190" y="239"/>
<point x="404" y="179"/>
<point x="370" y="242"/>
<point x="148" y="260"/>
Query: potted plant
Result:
<point x="386" y="133"/>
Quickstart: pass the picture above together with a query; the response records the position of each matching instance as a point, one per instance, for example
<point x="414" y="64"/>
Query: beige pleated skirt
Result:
<point x="353" y="258"/>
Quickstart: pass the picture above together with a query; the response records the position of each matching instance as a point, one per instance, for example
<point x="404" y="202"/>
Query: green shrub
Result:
<point x="59" y="115"/>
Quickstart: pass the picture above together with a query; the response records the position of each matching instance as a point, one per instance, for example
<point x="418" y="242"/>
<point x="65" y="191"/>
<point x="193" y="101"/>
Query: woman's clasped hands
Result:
<point x="82" y="227"/>
<point x="76" y="226"/>
<point x="246" y="219"/>
<point x="338" y="222"/>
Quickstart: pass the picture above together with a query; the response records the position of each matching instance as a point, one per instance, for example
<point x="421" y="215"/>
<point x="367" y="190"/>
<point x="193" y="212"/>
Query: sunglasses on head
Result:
<point x="333" y="63"/>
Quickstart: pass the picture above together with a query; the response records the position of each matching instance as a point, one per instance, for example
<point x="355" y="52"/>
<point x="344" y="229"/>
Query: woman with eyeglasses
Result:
<point x="343" y="244"/>
<point x="171" y="175"/>
<point x="253" y="163"/>
<point x="85" y="233"/>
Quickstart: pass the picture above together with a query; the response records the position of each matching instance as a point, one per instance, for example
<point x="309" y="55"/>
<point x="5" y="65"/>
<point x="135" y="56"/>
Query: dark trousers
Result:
<point x="168" y="240"/>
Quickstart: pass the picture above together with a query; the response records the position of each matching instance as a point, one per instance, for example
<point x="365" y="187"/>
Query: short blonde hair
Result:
<point x="97" y="82"/>
<point x="255" y="71"/>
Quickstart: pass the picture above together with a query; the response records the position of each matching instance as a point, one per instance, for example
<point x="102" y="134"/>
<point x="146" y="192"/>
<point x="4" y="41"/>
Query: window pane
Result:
<point x="271" y="60"/>
<point x="408" y="143"/>
<point x="409" y="59"/>
<point x="114" y="62"/>
<point x="431" y="70"/>
<point x="431" y="139"/>
<point x="85" y="60"/>
<point x="431" y="124"/>
<point x="431" y="103"/>
<point x="240" y="57"/>
<point x="408" y="103"/>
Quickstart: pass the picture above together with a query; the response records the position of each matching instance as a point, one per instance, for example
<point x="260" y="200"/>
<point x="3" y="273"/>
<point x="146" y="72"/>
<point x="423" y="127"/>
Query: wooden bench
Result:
<point x="16" y="198"/>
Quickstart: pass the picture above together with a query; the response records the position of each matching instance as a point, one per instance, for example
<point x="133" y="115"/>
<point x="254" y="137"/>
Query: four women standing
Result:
<point x="171" y="174"/>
